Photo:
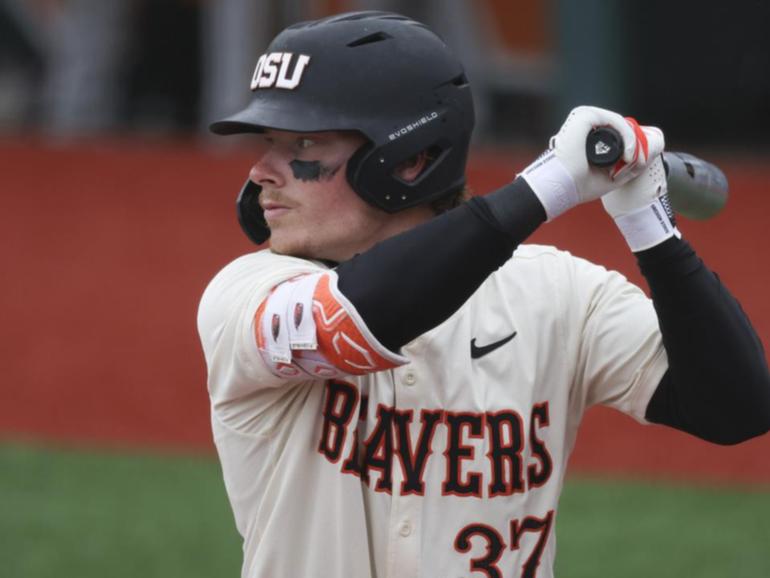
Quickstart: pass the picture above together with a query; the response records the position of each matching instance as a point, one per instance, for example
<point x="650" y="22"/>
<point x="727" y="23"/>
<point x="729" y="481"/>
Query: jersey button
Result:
<point x="410" y="378"/>
<point x="405" y="530"/>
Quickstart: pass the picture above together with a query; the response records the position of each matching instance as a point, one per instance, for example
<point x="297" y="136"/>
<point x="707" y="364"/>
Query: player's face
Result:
<point x="309" y="206"/>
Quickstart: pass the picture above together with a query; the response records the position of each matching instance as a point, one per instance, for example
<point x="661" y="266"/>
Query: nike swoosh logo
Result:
<point x="482" y="350"/>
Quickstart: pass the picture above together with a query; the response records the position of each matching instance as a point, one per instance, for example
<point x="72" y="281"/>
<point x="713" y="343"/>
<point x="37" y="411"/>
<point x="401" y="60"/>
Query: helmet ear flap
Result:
<point x="250" y="213"/>
<point x="371" y="171"/>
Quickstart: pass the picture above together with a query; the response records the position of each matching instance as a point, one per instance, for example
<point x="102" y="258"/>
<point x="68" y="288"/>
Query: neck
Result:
<point x="391" y="226"/>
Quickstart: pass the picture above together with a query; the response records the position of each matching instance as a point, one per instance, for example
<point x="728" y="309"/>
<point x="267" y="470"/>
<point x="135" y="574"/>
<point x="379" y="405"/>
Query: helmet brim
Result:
<point x="264" y="114"/>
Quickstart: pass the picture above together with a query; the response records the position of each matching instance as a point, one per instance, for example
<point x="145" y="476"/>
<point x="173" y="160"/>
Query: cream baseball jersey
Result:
<point x="444" y="461"/>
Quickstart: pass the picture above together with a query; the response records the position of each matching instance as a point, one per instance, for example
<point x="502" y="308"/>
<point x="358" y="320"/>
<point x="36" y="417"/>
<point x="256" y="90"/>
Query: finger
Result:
<point x="656" y="142"/>
<point x="638" y="147"/>
<point x="647" y="143"/>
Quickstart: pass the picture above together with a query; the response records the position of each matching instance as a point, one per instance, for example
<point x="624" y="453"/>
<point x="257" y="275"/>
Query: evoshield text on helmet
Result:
<point x="381" y="74"/>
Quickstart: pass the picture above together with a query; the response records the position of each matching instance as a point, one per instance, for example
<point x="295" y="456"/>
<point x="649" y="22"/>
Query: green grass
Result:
<point x="633" y="529"/>
<point x="67" y="513"/>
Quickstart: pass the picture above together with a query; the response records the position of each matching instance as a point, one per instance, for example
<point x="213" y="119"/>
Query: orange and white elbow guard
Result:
<point x="307" y="329"/>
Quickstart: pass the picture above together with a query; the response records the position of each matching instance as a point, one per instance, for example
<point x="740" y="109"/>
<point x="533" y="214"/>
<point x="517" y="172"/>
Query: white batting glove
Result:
<point x="641" y="209"/>
<point x="562" y="178"/>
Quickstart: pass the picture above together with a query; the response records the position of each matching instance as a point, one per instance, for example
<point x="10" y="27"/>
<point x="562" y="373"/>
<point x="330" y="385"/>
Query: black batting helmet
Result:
<point x="382" y="74"/>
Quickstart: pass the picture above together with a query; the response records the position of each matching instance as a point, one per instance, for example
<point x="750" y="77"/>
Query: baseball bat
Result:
<point x="697" y="189"/>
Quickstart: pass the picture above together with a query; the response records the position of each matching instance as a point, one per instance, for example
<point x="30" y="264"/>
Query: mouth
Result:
<point x="274" y="209"/>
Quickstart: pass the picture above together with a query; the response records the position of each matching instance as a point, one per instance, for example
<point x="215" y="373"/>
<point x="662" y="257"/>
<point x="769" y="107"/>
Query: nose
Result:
<point x="266" y="171"/>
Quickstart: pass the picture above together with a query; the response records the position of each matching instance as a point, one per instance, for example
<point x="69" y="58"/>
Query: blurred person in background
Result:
<point x="101" y="67"/>
<point x="86" y="46"/>
<point x="21" y="66"/>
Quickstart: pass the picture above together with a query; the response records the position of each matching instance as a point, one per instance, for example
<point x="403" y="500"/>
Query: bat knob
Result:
<point x="604" y="147"/>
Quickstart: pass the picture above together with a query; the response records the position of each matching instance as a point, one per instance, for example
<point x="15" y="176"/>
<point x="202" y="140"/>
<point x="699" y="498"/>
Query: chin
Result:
<point x="317" y="245"/>
<point x="292" y="247"/>
<point x="282" y="248"/>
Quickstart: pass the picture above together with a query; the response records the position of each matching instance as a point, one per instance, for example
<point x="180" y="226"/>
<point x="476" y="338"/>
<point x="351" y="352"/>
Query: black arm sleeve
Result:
<point x="410" y="283"/>
<point x="717" y="386"/>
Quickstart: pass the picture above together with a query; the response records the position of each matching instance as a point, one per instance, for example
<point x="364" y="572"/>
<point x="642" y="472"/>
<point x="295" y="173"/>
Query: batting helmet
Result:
<point x="382" y="74"/>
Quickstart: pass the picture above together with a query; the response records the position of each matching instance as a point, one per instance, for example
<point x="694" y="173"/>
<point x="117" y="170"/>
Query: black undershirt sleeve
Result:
<point x="412" y="282"/>
<point x="717" y="386"/>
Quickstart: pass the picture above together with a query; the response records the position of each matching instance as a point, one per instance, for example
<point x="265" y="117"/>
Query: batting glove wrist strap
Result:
<point x="552" y="184"/>
<point x="641" y="208"/>
<point x="649" y="226"/>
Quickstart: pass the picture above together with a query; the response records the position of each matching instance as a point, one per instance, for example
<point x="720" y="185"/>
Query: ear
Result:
<point x="411" y="169"/>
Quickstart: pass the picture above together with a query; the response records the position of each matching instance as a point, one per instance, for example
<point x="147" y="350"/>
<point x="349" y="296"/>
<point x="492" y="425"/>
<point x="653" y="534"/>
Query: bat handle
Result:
<point x="604" y="146"/>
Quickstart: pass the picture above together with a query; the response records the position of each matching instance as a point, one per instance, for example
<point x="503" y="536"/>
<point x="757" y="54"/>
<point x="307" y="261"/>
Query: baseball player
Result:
<point x="397" y="383"/>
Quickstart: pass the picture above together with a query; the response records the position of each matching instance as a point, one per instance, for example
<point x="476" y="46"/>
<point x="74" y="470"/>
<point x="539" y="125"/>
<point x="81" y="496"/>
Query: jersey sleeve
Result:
<point x="620" y="358"/>
<point x="226" y="321"/>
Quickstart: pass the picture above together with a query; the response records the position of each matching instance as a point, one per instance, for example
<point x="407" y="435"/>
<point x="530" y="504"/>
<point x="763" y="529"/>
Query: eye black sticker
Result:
<point x="312" y="170"/>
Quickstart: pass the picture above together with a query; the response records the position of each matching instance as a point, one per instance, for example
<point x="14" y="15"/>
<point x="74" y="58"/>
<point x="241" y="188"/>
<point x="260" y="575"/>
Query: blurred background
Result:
<point x="75" y="67"/>
<point x="117" y="207"/>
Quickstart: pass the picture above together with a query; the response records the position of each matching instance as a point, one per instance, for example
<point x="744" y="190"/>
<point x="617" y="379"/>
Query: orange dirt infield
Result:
<point x="107" y="246"/>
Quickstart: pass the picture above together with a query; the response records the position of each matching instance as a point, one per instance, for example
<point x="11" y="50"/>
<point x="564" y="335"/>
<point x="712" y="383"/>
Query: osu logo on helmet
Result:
<point x="268" y="74"/>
